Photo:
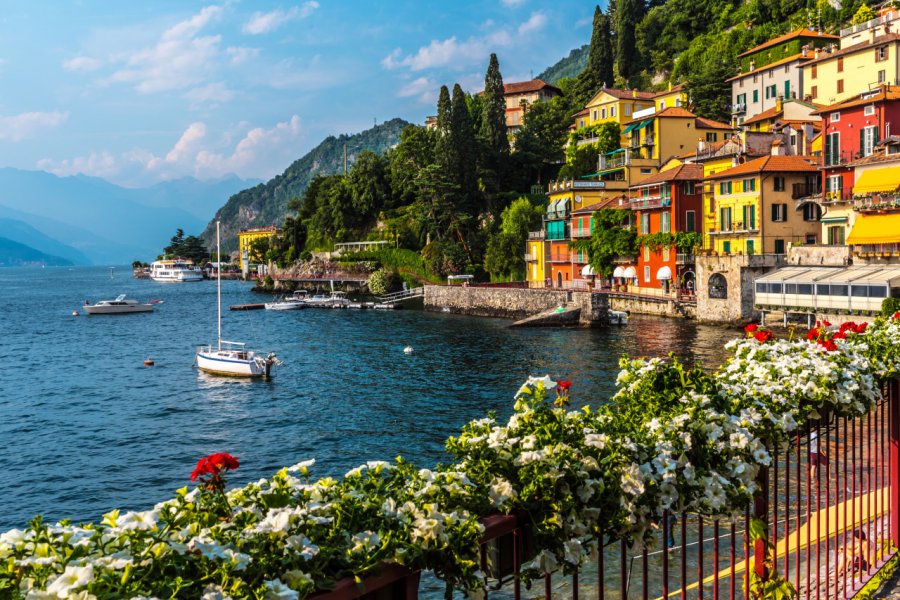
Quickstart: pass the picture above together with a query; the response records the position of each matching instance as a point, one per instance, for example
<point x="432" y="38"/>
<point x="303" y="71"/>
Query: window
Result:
<point x="603" y="113"/>
<point x="840" y="66"/>
<point x="741" y="100"/>
<point x="779" y="246"/>
<point x="725" y="219"/>
<point x="645" y="223"/>
<point x="779" y="213"/>
<point x="726" y="247"/>
<point x="581" y="123"/>
<point x="646" y="170"/>
<point x="595" y="114"/>
<point x="815" y="71"/>
<point x="725" y="187"/>
<point x="750" y="247"/>
<point x="840" y="86"/>
<point x="647" y="274"/>
<point x="754" y="78"/>
<point x="793" y="140"/>
<point x="834" y="117"/>
<point x="869" y="110"/>
<point x="689" y="188"/>
<point x="833" y="149"/>
<point x="665" y="190"/>
<point x="881" y="77"/>
<point x="710" y="137"/>
<point x="881" y="54"/>
<point x="665" y="222"/>
<point x="690" y="221"/>
<point x="718" y="285"/>
<point x="755" y="95"/>
<point x="662" y="104"/>
<point x="750" y="185"/>
<point x="787" y="89"/>
<point x="814" y="91"/>
<point x="665" y="253"/>
<point x="646" y="253"/>
<point x="612" y="111"/>
<point x="868" y="137"/>
<point x="627" y="109"/>
<point x="811" y="212"/>
<point x="778" y="182"/>
<point x="749" y="214"/>
<point x="834" y="183"/>
<point x="836" y="235"/>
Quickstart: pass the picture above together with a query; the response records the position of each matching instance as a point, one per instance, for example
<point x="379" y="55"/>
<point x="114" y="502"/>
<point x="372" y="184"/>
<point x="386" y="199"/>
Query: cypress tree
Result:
<point x="492" y="137"/>
<point x="445" y="150"/>
<point x="462" y="140"/>
<point x="599" y="69"/>
<point x="628" y="15"/>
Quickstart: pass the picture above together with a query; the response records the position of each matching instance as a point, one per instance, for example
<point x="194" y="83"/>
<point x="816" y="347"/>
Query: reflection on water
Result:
<point x="87" y="427"/>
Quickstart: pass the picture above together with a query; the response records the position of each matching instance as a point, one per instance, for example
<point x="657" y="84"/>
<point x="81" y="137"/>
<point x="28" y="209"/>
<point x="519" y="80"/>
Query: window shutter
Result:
<point x="774" y="212"/>
<point x="862" y="140"/>
<point x="875" y="143"/>
<point x="752" y="217"/>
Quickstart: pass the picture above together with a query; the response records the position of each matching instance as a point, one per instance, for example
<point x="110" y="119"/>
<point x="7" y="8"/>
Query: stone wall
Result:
<point x="662" y="308"/>
<point x="817" y="256"/>
<point x="514" y="303"/>
<point x="739" y="272"/>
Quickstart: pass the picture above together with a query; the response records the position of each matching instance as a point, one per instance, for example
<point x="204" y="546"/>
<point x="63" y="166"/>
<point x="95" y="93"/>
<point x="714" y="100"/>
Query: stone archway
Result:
<point x="717" y="286"/>
<point x="559" y="279"/>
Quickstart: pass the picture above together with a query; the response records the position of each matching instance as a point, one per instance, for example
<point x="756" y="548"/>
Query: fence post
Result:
<point x="761" y="512"/>
<point x="894" y="426"/>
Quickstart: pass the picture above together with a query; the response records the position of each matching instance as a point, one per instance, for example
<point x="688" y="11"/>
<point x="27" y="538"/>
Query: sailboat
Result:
<point x="232" y="358"/>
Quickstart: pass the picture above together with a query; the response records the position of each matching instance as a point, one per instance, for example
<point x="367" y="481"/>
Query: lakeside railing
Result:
<point x="830" y="504"/>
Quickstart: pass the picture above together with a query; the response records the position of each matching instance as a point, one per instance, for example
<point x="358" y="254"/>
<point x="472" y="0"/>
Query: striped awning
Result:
<point x="875" y="229"/>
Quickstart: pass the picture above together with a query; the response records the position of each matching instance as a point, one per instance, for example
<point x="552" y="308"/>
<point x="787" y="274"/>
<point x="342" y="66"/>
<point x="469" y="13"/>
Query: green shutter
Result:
<point x="752" y="217"/>
<point x="862" y="140"/>
<point x="787" y="90"/>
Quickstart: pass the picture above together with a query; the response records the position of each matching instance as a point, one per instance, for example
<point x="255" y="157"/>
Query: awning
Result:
<point x="875" y="229"/>
<point x="619" y="272"/>
<point x="878" y="180"/>
<point x="643" y="124"/>
<point x="836" y="216"/>
<point x="629" y="128"/>
<point x="587" y="271"/>
<point x="664" y="273"/>
<point x="629" y="273"/>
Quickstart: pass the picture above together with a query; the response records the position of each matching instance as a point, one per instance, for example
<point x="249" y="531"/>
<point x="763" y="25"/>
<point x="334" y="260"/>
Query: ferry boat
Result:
<point x="120" y="306"/>
<point x="175" y="270"/>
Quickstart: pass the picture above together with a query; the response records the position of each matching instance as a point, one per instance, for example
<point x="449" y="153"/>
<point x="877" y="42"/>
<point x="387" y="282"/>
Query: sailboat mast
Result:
<point x="219" y="283"/>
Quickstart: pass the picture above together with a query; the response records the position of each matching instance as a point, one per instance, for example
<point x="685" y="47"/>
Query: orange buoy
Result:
<point x="149" y="362"/>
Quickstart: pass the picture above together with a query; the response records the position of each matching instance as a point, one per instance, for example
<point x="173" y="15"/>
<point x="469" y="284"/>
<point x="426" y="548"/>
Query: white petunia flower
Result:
<point x="71" y="579"/>
<point x="276" y="590"/>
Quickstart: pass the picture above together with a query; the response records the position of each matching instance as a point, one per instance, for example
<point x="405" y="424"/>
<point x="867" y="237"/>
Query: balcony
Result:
<point x="613" y="161"/>
<point x="684" y="259"/>
<point x="559" y="257"/>
<point x="586" y="141"/>
<point x="877" y="203"/>
<point x="536" y="235"/>
<point x="838" y="159"/>
<point x="805" y="190"/>
<point x="835" y="196"/>
<point x="530" y="257"/>
<point x="649" y="202"/>
<point x="581" y="232"/>
<point x="735" y="228"/>
<point x="738" y="109"/>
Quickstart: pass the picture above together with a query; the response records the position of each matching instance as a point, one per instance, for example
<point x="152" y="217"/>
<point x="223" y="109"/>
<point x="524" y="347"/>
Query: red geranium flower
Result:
<point x="214" y="465"/>
<point x="896" y="315"/>
<point x="564" y="385"/>
<point x="751" y="327"/>
<point x="763" y="335"/>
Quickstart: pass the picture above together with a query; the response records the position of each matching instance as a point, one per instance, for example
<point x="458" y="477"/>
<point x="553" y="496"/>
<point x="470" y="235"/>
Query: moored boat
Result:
<point x="295" y="301"/>
<point x="175" y="270"/>
<point x="120" y="306"/>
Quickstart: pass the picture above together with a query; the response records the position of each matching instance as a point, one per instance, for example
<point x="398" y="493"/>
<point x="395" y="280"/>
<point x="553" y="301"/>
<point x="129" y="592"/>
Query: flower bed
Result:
<point x="672" y="438"/>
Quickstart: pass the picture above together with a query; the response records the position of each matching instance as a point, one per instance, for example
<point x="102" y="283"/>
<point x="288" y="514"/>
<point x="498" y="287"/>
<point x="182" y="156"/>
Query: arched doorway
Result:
<point x="559" y="279"/>
<point x="718" y="286"/>
<point x="688" y="282"/>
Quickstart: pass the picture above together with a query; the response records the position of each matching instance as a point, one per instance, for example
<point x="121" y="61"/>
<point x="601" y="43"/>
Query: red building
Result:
<point x="851" y="129"/>
<point x="667" y="202"/>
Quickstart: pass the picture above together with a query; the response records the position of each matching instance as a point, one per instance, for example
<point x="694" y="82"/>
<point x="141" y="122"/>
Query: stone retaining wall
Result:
<point x="514" y="303"/>
<point x="663" y="308"/>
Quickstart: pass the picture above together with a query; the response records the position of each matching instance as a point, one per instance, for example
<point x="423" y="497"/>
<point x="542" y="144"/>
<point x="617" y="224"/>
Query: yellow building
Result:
<point x="536" y="258"/>
<point x="865" y="58"/>
<point x="753" y="208"/>
<point x="610" y="105"/>
<point x="246" y="239"/>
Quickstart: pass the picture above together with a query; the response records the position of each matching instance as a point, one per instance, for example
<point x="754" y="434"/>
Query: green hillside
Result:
<point x="266" y="203"/>
<point x="14" y="254"/>
<point x="569" y="66"/>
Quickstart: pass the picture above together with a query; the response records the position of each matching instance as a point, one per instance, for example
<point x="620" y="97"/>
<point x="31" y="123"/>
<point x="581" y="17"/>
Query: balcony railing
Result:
<point x="735" y="227"/>
<point x="833" y="196"/>
<point x="530" y="257"/>
<point x="559" y="257"/>
<point x="738" y="109"/>
<point x="684" y="259"/>
<point x="613" y="161"/>
<point x="536" y="235"/>
<point x="805" y="190"/>
<point x="885" y="18"/>
<point x="877" y="203"/>
<point x="877" y="250"/>
<point x="585" y="141"/>
<point x="649" y="202"/>
<point x="838" y="159"/>
<point x="581" y="232"/>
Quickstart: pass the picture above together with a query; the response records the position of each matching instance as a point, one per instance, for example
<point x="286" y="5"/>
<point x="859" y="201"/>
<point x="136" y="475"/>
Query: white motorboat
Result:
<point x="120" y="306"/>
<point x="175" y="270"/>
<point x="618" y="317"/>
<point x="335" y="300"/>
<point x="232" y="358"/>
<point x="295" y="301"/>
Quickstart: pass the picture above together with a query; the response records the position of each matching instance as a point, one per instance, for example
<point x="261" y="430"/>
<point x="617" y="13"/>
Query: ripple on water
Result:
<point x="87" y="427"/>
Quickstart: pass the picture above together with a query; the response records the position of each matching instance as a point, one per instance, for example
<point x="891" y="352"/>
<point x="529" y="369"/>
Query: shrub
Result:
<point x="889" y="306"/>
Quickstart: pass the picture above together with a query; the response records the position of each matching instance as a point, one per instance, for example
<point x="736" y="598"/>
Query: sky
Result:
<point x="143" y="92"/>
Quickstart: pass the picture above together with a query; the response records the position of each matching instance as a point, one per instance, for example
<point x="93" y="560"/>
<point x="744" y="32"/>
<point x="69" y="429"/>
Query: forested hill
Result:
<point x="14" y="254"/>
<point x="569" y="66"/>
<point x="266" y="203"/>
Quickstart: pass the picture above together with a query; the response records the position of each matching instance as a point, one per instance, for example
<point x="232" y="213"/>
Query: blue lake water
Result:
<point x="85" y="427"/>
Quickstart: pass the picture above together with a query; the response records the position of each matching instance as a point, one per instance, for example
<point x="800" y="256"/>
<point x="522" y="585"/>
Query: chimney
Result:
<point x="804" y="51"/>
<point x="831" y="48"/>
<point x="752" y="64"/>
<point x="816" y="52"/>
<point x="634" y="93"/>
<point x="701" y="145"/>
<point x="778" y="148"/>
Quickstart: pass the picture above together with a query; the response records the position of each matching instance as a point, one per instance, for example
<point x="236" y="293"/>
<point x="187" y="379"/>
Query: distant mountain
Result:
<point x="104" y="210"/>
<point x="569" y="66"/>
<point x="266" y="204"/>
<point x="23" y="233"/>
<point x="14" y="254"/>
<point x="200" y="198"/>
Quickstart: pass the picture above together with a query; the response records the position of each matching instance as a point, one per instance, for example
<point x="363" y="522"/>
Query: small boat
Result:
<point x="618" y="317"/>
<point x="120" y="306"/>
<point x="295" y="301"/>
<point x="335" y="300"/>
<point x="232" y="358"/>
<point x="176" y="270"/>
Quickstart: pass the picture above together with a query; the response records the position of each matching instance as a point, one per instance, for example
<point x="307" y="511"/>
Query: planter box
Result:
<point x="392" y="582"/>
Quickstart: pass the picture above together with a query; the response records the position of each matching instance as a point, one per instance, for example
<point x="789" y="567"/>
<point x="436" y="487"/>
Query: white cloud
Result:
<point x="438" y="54"/>
<point x="536" y="21"/>
<point x="179" y="59"/>
<point x="423" y="88"/>
<point x="212" y="93"/>
<point x="261" y="23"/>
<point x="241" y="54"/>
<point x="25" y="125"/>
<point x="82" y="63"/>
<point x="259" y="153"/>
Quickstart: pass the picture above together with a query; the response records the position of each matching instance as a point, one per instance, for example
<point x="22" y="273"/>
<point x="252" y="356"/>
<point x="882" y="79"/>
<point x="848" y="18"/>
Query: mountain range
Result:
<point x="14" y="254"/>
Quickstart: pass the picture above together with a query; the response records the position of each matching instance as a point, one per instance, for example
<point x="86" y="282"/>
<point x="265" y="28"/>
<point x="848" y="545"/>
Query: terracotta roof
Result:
<point x="686" y="172"/>
<point x="590" y="207"/>
<point x="522" y="87"/>
<point x="770" y="164"/>
<point x="764" y="115"/>
<point x="867" y="44"/>
<point x="874" y="159"/>
<point x="583" y="111"/>
<point x="625" y="94"/>
<point x="886" y="92"/>
<point x="790" y="36"/>
<point x="677" y="88"/>
<point x="777" y="63"/>
<point x="710" y="124"/>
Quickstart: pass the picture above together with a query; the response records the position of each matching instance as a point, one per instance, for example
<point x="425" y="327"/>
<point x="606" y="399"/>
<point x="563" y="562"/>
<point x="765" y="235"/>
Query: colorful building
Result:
<point x="246" y="240"/>
<point x="612" y="105"/>
<point x="797" y="119"/>
<point x="667" y="203"/>
<point x="755" y="207"/>
<point x="865" y="58"/>
<point x="773" y="70"/>
<point x="875" y="231"/>
<point x="520" y="95"/>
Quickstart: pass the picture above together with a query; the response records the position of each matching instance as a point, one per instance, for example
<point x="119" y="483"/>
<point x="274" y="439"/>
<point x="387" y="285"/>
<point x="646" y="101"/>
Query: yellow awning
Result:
<point x="875" y="229"/>
<point x="877" y="180"/>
